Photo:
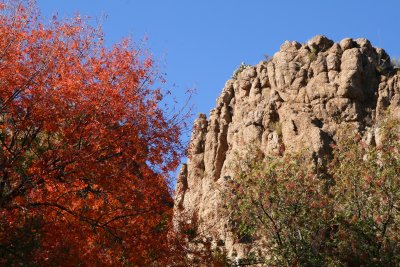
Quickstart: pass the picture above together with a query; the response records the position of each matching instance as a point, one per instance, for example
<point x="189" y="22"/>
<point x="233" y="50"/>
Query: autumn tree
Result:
<point x="85" y="147"/>
<point x="346" y="213"/>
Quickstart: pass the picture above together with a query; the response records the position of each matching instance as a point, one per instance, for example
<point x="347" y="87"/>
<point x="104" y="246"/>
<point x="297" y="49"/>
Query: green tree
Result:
<point x="344" y="214"/>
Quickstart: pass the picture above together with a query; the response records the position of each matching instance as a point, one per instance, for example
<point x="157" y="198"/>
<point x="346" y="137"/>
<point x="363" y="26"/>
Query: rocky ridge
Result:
<point x="297" y="99"/>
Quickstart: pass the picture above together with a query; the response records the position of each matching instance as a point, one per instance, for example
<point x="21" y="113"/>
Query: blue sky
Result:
<point x="200" y="43"/>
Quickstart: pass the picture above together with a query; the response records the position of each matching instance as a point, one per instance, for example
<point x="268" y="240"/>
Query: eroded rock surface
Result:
<point x="296" y="100"/>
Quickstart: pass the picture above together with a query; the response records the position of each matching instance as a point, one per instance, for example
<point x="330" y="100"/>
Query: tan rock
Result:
<point x="298" y="99"/>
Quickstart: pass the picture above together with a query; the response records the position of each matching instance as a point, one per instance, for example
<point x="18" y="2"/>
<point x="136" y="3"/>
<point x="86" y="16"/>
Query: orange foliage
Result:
<point x="85" y="148"/>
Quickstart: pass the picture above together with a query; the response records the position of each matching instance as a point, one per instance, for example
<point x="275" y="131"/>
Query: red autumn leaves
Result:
<point x="85" y="147"/>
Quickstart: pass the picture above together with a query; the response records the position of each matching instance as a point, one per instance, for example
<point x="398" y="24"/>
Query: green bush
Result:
<point x="242" y="67"/>
<point x="344" y="214"/>
<point x="395" y="63"/>
<point x="313" y="55"/>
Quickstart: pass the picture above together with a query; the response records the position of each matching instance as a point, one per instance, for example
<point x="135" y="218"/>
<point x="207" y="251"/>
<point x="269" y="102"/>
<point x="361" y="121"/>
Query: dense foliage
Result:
<point x="303" y="214"/>
<point x="85" y="148"/>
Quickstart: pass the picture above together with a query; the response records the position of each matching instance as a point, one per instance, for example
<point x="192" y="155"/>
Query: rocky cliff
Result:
<point x="297" y="99"/>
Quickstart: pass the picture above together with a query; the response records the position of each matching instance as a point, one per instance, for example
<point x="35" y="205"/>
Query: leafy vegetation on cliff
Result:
<point x="303" y="214"/>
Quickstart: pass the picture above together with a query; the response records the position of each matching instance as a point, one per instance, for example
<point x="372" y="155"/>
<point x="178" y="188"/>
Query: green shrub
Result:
<point x="395" y="63"/>
<point x="239" y="70"/>
<point x="313" y="55"/>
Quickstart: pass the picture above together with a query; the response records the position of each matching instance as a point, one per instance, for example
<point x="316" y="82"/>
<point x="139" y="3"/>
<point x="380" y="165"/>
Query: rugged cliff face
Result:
<point x="297" y="99"/>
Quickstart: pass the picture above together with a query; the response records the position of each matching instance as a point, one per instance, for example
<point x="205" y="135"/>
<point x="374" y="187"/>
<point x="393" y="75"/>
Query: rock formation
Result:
<point x="297" y="99"/>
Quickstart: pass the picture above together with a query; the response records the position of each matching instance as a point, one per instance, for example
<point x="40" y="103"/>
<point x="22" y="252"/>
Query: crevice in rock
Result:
<point x="221" y="152"/>
<point x="317" y="122"/>
<point x="295" y="129"/>
<point x="181" y="186"/>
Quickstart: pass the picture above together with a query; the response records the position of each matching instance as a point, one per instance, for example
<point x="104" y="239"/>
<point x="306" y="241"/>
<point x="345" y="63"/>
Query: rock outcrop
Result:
<point x="299" y="98"/>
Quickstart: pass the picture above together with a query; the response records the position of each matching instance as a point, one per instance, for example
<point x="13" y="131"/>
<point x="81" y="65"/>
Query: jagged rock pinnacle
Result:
<point x="297" y="99"/>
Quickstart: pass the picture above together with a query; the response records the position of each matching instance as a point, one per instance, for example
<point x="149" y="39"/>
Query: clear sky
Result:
<point x="200" y="43"/>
